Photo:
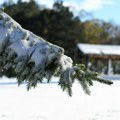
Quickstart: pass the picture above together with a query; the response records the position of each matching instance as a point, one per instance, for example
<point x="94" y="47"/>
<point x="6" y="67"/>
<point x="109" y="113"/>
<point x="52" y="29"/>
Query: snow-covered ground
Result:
<point x="48" y="102"/>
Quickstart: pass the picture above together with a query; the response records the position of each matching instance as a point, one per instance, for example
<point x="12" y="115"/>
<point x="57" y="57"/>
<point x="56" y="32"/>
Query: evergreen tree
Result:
<point x="32" y="58"/>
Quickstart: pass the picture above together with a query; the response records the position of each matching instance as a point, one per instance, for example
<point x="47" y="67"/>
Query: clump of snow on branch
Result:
<point x="33" y="58"/>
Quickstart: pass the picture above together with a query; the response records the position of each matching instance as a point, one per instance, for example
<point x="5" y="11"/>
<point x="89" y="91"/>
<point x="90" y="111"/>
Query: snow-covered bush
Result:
<point x="33" y="58"/>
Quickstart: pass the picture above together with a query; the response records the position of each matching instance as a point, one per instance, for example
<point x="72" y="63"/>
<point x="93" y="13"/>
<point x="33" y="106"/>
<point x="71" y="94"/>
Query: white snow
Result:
<point x="66" y="62"/>
<point x="48" y="102"/>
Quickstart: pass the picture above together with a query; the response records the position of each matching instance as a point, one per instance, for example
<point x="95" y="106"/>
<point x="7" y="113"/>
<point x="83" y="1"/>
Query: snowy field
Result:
<point x="48" y="102"/>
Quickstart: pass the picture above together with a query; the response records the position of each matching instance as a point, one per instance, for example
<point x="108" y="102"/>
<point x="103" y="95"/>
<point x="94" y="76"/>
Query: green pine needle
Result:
<point x="85" y="78"/>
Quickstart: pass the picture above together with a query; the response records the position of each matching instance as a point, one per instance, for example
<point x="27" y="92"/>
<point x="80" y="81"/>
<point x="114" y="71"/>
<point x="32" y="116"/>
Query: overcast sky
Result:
<point x="107" y="10"/>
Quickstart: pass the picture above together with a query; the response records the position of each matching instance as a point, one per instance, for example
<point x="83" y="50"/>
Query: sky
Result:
<point x="107" y="10"/>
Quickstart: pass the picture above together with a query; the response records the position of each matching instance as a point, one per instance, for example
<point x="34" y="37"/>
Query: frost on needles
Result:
<point x="33" y="59"/>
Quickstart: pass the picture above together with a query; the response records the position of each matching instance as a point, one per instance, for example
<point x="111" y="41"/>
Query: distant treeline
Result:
<point x="60" y="26"/>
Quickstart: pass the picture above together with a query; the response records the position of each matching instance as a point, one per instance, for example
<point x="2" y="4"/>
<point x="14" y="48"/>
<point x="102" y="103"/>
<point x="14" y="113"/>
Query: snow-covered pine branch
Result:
<point x="33" y="58"/>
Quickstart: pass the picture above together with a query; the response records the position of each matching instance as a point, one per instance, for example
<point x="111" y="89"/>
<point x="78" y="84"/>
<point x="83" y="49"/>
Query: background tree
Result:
<point x="99" y="32"/>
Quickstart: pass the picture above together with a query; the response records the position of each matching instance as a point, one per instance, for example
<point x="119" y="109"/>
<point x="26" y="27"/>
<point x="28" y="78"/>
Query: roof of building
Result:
<point x="96" y="49"/>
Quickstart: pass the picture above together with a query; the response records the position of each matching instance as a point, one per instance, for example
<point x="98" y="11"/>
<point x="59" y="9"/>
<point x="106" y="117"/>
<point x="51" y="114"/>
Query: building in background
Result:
<point x="104" y="59"/>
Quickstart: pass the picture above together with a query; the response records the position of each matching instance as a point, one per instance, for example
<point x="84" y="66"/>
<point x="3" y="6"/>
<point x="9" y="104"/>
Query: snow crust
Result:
<point x="27" y="53"/>
<point x="22" y="41"/>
